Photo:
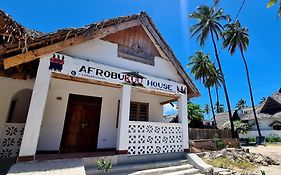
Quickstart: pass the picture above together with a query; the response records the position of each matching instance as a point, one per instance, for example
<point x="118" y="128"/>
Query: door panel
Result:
<point x="81" y="124"/>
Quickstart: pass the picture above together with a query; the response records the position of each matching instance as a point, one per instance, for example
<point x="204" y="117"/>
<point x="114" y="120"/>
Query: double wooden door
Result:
<point x="81" y="125"/>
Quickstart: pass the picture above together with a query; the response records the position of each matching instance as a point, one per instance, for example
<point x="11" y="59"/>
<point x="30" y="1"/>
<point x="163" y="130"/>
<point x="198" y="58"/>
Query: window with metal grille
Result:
<point x="138" y="112"/>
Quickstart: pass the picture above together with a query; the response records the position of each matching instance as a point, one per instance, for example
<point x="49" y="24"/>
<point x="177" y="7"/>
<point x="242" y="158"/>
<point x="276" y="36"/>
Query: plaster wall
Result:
<point x="104" y="52"/>
<point x="8" y="89"/>
<point x="54" y="116"/>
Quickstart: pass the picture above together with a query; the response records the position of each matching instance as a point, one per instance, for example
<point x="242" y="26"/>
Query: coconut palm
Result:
<point x="237" y="37"/>
<point x="203" y="69"/>
<point x="262" y="100"/>
<point x="207" y="109"/>
<point x="217" y="79"/>
<point x="219" y="108"/>
<point x="209" y="23"/>
<point x="270" y="3"/>
<point x="241" y="104"/>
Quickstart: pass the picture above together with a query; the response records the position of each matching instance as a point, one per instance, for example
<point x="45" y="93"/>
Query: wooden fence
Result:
<point x="197" y="134"/>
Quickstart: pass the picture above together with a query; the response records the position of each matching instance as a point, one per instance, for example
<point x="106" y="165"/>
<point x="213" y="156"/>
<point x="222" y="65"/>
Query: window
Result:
<point x="139" y="111"/>
<point x="277" y="127"/>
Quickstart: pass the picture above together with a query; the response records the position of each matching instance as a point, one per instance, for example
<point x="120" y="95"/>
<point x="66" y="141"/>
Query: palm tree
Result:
<point x="219" y="108"/>
<point x="270" y="3"/>
<point x="237" y="37"/>
<point x="207" y="109"/>
<point x="241" y="104"/>
<point x="216" y="79"/>
<point x="209" y="23"/>
<point x="262" y="100"/>
<point x="202" y="69"/>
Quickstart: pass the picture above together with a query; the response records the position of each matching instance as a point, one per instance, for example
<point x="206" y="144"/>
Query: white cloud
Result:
<point x="169" y="109"/>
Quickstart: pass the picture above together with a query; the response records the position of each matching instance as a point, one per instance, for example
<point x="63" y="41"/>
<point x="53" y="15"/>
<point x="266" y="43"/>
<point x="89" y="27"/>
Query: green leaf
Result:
<point x="270" y="3"/>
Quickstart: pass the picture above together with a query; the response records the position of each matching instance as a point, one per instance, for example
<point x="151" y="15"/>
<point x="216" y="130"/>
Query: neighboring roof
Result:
<point x="221" y="118"/>
<point x="275" y="123"/>
<point x="247" y="113"/>
<point x="26" y="49"/>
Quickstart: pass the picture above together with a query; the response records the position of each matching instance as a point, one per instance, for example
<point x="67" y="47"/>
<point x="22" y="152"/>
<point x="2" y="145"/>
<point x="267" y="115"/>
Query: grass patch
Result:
<point x="224" y="162"/>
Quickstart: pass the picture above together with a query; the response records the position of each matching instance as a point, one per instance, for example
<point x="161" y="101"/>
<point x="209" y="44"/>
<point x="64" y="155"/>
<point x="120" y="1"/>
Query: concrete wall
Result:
<point x="8" y="89"/>
<point x="266" y="133"/>
<point x="21" y="107"/>
<point x="264" y="123"/>
<point x="106" y="53"/>
<point x="53" y="121"/>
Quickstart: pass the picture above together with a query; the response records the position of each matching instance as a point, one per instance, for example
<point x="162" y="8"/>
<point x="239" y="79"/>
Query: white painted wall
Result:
<point x="266" y="133"/>
<point x="264" y="123"/>
<point x="52" y="125"/>
<point x="106" y="53"/>
<point x="22" y="99"/>
<point x="8" y="88"/>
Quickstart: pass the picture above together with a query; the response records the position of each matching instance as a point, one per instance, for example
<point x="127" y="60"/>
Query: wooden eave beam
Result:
<point x="169" y="101"/>
<point x="34" y="54"/>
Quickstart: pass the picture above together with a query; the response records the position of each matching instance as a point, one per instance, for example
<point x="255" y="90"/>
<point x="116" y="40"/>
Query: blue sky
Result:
<point x="170" y="17"/>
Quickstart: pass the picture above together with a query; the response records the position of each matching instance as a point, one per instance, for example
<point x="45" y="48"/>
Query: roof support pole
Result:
<point x="182" y="112"/>
<point x="124" y="113"/>
<point x="35" y="112"/>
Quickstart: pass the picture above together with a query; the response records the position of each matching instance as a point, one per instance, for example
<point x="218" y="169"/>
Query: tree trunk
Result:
<point x="217" y="93"/>
<point x="224" y="86"/>
<point x="251" y="92"/>
<point x="212" y="106"/>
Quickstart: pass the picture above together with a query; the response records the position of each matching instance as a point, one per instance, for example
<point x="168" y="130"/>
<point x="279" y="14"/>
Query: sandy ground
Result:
<point x="273" y="151"/>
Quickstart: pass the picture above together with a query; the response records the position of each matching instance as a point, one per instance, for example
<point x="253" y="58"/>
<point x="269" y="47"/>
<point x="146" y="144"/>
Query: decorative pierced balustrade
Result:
<point x="11" y="139"/>
<point x="154" y="138"/>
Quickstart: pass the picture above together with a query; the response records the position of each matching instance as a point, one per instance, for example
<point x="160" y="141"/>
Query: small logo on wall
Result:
<point x="181" y="89"/>
<point x="56" y="63"/>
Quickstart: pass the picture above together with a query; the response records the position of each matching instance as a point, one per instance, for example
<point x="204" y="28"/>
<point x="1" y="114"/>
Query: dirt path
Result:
<point x="273" y="151"/>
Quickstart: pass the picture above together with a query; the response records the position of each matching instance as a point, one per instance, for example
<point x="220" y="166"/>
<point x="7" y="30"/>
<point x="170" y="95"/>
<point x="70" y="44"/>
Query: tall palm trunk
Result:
<point x="224" y="86"/>
<point x="217" y="93"/>
<point x="212" y="106"/>
<point x="250" y="89"/>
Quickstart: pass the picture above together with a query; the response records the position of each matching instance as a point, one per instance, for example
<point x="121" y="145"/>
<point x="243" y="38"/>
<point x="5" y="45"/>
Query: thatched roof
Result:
<point x="263" y="111"/>
<point x="24" y="45"/>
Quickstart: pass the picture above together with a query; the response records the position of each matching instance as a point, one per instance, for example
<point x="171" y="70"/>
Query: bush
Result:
<point x="273" y="138"/>
<point x="104" y="165"/>
<point x="252" y="139"/>
<point x="218" y="142"/>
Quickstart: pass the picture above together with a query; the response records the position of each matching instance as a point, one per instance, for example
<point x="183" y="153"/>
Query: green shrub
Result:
<point x="218" y="142"/>
<point x="252" y="139"/>
<point x="104" y="165"/>
<point x="273" y="138"/>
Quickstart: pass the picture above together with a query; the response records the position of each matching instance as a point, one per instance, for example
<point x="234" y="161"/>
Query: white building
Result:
<point x="99" y="87"/>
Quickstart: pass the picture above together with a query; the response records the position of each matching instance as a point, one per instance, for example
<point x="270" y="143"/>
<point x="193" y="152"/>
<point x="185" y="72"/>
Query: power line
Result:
<point x="239" y="10"/>
<point x="236" y="17"/>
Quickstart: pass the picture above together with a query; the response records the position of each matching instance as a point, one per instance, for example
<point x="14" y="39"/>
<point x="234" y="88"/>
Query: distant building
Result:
<point x="268" y="113"/>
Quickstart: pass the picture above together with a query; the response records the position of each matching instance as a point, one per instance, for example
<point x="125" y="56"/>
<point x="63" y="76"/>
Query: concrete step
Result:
<point x="159" y="171"/>
<point x="131" y="168"/>
<point x="184" y="172"/>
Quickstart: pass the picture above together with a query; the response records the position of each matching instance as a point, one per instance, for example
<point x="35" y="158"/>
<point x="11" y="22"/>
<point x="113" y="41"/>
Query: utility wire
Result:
<point x="236" y="17"/>
<point x="240" y="10"/>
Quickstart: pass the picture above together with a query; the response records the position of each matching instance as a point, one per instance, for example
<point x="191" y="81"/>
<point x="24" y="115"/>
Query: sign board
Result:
<point x="87" y="69"/>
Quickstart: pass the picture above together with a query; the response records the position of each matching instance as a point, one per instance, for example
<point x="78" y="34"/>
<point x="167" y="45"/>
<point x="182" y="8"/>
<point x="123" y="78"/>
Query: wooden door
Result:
<point x="81" y="124"/>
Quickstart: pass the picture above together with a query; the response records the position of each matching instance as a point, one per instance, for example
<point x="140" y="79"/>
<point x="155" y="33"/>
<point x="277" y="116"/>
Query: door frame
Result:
<point x="69" y="102"/>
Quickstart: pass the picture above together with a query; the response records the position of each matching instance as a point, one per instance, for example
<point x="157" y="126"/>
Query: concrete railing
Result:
<point x="11" y="139"/>
<point x="154" y="137"/>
